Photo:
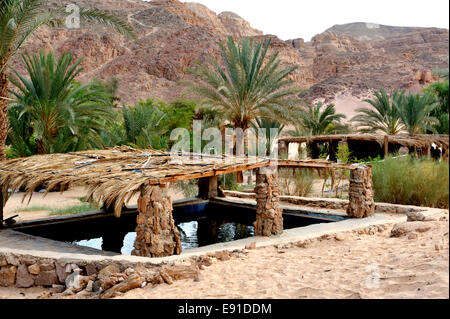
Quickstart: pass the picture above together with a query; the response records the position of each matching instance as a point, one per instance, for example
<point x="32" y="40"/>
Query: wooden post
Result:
<point x="429" y="151"/>
<point x="239" y="177"/>
<point x="386" y="146"/>
<point x="269" y="218"/>
<point x="207" y="187"/>
<point x="156" y="233"/>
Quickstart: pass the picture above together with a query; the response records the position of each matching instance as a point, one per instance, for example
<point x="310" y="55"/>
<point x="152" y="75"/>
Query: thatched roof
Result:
<point x="114" y="176"/>
<point x="417" y="140"/>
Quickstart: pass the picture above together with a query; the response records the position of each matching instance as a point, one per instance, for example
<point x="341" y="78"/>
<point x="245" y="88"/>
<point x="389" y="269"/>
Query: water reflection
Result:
<point x="192" y="234"/>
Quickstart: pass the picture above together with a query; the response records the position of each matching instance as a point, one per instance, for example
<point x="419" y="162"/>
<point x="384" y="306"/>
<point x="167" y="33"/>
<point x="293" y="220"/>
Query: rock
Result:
<point x="76" y="282"/>
<point x="204" y="261"/>
<point x="251" y="246"/>
<point x="182" y="272"/>
<point x="166" y="277"/>
<point x="418" y="216"/>
<point x="96" y="286"/>
<point x="7" y="276"/>
<point x="340" y="237"/>
<point x="402" y="229"/>
<point x="3" y="261"/>
<point x="44" y="295"/>
<point x="34" y="269"/>
<point x="109" y="276"/>
<point x="132" y="282"/>
<point x="61" y="272"/>
<point x="23" y="277"/>
<point x="57" y="289"/>
<point x="91" y="269"/>
<point x="413" y="235"/>
<point x="223" y="255"/>
<point x="302" y="243"/>
<point x="46" y="278"/>
<point x="90" y="286"/>
<point x="47" y="266"/>
<point x="109" y="270"/>
<point x="12" y="260"/>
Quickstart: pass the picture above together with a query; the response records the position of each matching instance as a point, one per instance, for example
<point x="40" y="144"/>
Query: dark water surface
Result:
<point x="199" y="225"/>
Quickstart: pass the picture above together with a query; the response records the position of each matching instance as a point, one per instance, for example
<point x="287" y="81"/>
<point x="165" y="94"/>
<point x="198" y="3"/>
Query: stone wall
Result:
<point x="24" y="271"/>
<point x="360" y="194"/>
<point x="269" y="218"/>
<point x="157" y="235"/>
<point x="96" y="279"/>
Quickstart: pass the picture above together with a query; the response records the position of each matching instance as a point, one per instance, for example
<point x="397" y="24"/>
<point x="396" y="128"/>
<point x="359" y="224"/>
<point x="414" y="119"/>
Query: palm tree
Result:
<point x="415" y="110"/>
<point x="19" y="19"/>
<point x="64" y="115"/>
<point x="145" y="125"/>
<point x="314" y="121"/>
<point x="382" y="116"/>
<point x="246" y="88"/>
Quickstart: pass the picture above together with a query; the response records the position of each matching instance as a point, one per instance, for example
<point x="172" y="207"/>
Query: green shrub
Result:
<point x="411" y="181"/>
<point x="298" y="184"/>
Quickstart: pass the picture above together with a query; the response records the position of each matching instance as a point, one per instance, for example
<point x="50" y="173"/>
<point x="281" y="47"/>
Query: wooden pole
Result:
<point x="386" y="146"/>
<point x="429" y="151"/>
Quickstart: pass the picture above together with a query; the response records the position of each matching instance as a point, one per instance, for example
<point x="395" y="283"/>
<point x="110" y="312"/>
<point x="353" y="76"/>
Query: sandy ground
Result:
<point x="359" y="266"/>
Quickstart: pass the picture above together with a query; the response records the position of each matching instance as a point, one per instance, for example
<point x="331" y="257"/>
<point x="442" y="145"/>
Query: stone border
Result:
<point x="332" y="203"/>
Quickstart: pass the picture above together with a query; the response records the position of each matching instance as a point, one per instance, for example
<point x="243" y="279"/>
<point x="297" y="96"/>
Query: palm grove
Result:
<point x="46" y="110"/>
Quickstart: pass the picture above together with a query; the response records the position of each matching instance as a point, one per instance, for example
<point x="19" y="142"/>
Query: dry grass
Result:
<point x="412" y="181"/>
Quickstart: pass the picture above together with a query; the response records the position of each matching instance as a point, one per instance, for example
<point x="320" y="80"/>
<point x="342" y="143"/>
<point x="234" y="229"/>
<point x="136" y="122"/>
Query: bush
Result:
<point x="411" y="181"/>
<point x="298" y="184"/>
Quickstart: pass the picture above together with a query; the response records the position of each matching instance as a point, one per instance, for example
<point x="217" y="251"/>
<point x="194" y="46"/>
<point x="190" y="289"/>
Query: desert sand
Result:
<point x="352" y="266"/>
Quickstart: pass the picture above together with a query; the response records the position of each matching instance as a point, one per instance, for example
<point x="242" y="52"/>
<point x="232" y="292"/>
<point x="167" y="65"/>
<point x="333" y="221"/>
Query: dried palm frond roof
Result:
<point x="113" y="176"/>
<point x="416" y="140"/>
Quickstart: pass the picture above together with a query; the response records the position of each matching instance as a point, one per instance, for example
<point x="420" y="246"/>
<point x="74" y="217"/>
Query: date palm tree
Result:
<point x="383" y="116"/>
<point x="64" y="115"/>
<point x="19" y="19"/>
<point x="415" y="111"/>
<point x="316" y="120"/>
<point x="249" y="86"/>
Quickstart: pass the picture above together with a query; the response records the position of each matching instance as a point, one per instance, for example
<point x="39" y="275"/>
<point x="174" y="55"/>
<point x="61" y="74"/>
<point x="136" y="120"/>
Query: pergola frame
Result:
<point x="113" y="176"/>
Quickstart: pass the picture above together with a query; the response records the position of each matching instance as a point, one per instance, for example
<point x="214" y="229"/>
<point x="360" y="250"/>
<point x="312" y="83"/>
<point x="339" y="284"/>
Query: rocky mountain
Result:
<point x="341" y="65"/>
<point x="364" y="31"/>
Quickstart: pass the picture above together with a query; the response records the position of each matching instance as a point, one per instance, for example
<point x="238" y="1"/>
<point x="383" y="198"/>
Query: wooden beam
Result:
<point x="312" y="164"/>
<point x="386" y="146"/>
<point x="217" y="172"/>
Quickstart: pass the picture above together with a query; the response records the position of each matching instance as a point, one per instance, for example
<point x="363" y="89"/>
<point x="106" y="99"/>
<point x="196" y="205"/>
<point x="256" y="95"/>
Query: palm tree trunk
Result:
<point x="4" y="123"/>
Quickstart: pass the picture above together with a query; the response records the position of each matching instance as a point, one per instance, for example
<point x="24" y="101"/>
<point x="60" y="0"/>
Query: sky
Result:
<point x="289" y="19"/>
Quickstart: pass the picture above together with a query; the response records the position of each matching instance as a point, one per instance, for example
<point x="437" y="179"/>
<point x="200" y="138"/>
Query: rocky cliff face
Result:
<point x="370" y="31"/>
<point x="172" y="35"/>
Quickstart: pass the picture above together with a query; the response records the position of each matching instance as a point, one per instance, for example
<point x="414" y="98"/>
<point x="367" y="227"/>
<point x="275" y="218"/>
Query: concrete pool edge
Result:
<point x="289" y="236"/>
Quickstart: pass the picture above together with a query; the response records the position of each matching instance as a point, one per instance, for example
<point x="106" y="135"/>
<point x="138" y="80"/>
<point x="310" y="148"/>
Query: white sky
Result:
<point x="289" y="19"/>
